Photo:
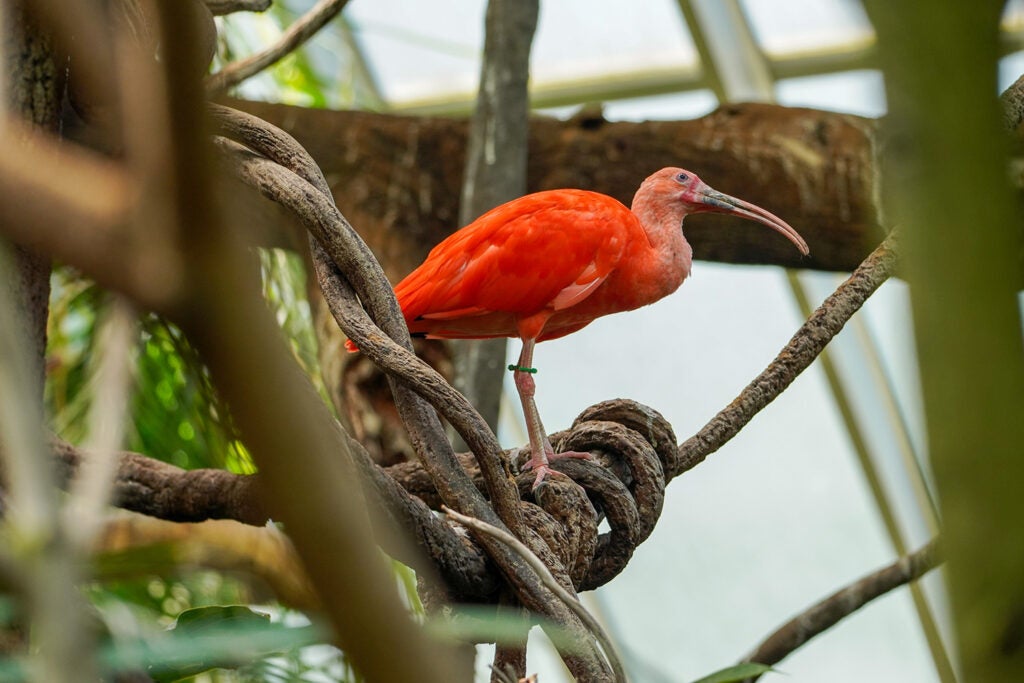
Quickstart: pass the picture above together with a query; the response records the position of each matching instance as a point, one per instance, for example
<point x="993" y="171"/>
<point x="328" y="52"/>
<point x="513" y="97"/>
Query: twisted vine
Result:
<point x="276" y="165"/>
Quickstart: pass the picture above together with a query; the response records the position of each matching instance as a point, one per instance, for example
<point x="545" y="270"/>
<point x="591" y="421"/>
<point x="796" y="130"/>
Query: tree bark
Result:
<point x="398" y="178"/>
<point x="33" y="86"/>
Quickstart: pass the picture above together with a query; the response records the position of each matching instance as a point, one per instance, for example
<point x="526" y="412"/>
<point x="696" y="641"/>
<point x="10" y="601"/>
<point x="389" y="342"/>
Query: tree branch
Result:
<point x="221" y="544"/>
<point x="1012" y="100"/>
<point x="827" y="613"/>
<point x="69" y="186"/>
<point x="159" y="489"/>
<point x="798" y="354"/>
<point x="397" y="178"/>
<point x="304" y="28"/>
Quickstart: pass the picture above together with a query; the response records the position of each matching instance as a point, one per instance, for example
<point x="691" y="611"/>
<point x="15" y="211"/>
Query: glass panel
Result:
<point x="1010" y="69"/>
<point x="1013" y="15"/>
<point x="686" y="105"/>
<point x="421" y="49"/>
<point x="787" y="26"/>
<point x="582" y="39"/>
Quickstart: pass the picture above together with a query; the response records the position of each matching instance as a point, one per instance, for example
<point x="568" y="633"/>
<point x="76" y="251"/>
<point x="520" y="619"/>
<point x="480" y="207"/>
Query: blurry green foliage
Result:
<point x="284" y="288"/>
<point x="175" y="414"/>
<point x="142" y="597"/>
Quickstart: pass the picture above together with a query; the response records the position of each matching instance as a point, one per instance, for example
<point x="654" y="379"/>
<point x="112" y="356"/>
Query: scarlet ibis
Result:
<point x="547" y="264"/>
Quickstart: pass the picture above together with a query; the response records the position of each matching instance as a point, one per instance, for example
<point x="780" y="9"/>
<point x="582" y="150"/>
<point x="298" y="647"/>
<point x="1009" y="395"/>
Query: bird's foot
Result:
<point x="541" y="468"/>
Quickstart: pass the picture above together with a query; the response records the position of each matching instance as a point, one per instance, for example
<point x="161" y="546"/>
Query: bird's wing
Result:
<point x="546" y="250"/>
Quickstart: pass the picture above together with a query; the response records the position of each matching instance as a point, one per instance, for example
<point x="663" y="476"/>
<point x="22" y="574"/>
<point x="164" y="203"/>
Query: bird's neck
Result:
<point x="670" y="254"/>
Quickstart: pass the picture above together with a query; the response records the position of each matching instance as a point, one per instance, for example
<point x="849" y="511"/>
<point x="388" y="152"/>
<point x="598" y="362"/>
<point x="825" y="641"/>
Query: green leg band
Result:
<point x="514" y="368"/>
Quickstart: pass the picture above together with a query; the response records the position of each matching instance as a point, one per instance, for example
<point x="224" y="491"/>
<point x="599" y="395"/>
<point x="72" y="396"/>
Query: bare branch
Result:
<point x="161" y="490"/>
<point x="827" y="613"/>
<point x="815" y="168"/>
<point x="302" y="30"/>
<point x="333" y="234"/>
<point x="799" y="353"/>
<point x="570" y="600"/>
<point x="158" y="489"/>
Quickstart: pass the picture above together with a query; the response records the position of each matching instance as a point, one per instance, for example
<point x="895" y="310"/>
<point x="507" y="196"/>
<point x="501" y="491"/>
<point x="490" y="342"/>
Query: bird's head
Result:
<point x="696" y="196"/>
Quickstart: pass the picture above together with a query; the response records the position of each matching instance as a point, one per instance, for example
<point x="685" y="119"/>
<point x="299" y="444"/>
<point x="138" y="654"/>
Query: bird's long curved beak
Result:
<point x="719" y="202"/>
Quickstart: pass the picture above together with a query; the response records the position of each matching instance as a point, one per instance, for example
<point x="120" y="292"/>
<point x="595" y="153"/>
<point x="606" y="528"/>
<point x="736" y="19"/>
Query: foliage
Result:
<point x="732" y="674"/>
<point x="325" y="72"/>
<point x="176" y="415"/>
<point x="141" y="597"/>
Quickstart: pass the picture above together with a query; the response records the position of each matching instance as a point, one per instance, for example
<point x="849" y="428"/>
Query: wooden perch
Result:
<point x="398" y="178"/>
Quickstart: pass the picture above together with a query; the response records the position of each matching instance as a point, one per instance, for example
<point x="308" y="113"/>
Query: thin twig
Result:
<point x="825" y="614"/>
<point x="798" y="354"/>
<point x="549" y="582"/>
<point x="304" y="28"/>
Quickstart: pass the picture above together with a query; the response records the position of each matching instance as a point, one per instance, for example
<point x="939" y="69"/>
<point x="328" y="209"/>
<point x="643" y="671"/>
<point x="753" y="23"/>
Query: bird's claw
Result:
<point x="542" y="469"/>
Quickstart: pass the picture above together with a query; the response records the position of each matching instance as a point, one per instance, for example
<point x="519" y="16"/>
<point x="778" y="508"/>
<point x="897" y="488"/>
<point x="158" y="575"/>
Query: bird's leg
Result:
<point x="541" y="451"/>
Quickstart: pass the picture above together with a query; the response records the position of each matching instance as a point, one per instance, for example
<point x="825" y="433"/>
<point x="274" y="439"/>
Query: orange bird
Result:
<point x="547" y="264"/>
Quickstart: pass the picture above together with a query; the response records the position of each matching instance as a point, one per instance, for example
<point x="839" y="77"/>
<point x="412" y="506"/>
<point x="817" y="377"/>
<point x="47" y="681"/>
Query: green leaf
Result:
<point x="204" y="638"/>
<point x="200" y="620"/>
<point x="738" y="672"/>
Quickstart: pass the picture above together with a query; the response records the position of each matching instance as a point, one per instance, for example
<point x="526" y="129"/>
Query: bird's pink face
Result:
<point x="699" y="197"/>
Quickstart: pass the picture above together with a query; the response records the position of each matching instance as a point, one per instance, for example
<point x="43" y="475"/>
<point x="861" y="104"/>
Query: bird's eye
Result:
<point x="682" y="177"/>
